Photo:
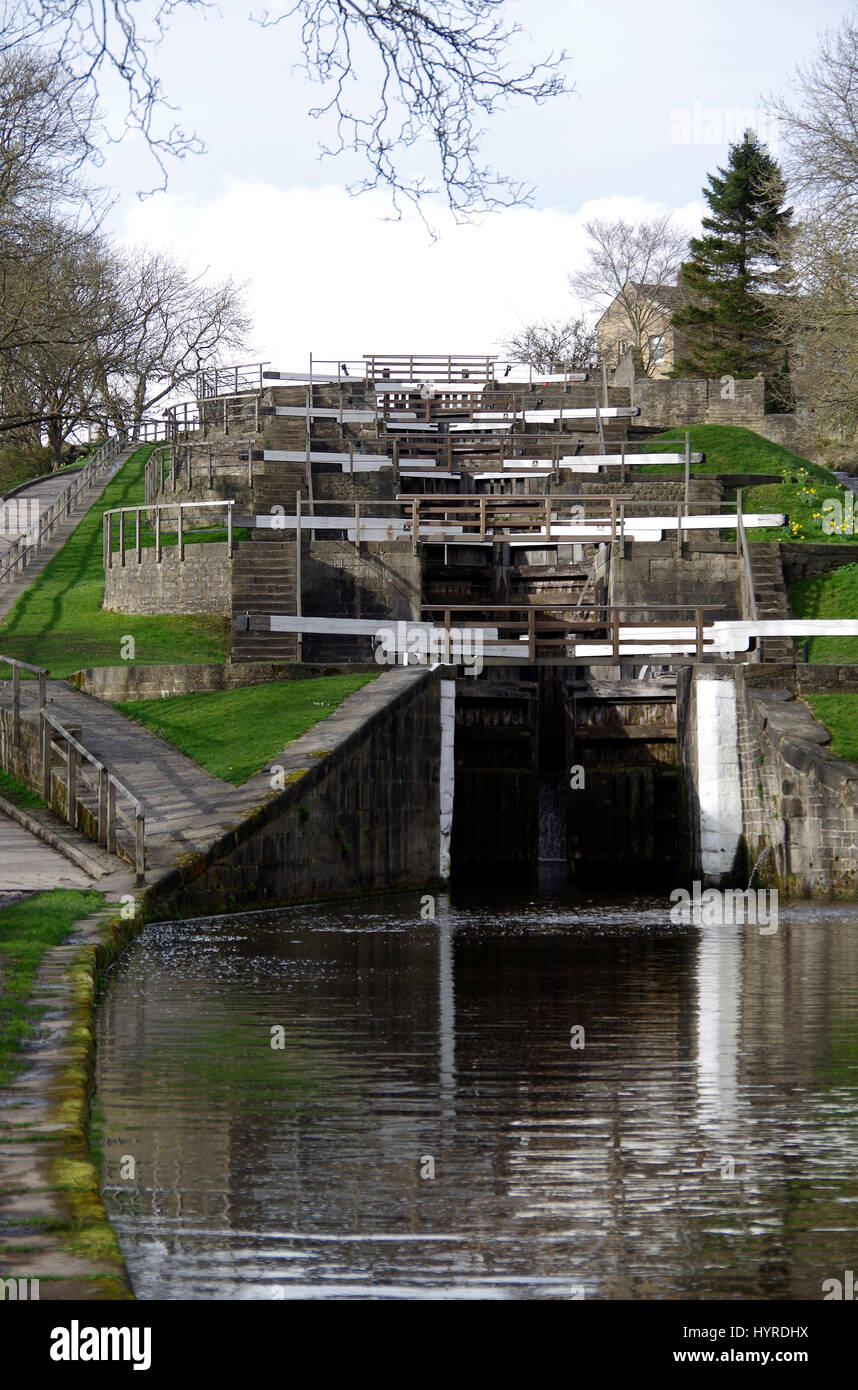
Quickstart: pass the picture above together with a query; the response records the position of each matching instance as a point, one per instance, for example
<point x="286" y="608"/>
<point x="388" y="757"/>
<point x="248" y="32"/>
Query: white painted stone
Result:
<point x="718" y="781"/>
<point x="448" y="771"/>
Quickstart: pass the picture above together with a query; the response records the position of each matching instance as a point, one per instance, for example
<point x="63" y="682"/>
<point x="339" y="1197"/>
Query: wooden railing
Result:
<point x="201" y="460"/>
<point x="550" y="627"/>
<point x="159" y="510"/>
<point x="88" y="785"/>
<point x="24" y="550"/>
<point x="480" y="517"/>
<point x="394" y="366"/>
<point x="17" y="667"/>
<point x="450" y="451"/>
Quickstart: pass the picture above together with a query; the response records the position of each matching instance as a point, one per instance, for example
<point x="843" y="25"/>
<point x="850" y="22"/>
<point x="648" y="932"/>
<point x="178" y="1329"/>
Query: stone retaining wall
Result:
<point x="795" y="815"/>
<point x="201" y="583"/>
<point x="119" y="683"/>
<point x="358" y="810"/>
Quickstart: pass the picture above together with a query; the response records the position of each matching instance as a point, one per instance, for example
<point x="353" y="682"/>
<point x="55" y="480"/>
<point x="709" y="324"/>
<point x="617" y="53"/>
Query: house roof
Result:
<point x="667" y="296"/>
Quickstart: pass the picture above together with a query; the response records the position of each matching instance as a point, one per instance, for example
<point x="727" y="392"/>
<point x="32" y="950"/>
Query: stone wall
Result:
<point x="707" y="572"/>
<point x="382" y="580"/>
<point x="795" y="818"/>
<point x="806" y="561"/>
<point x="359" y="810"/>
<point x="201" y="583"/>
<point x="119" y="683"/>
<point x="22" y="758"/>
<point x="668" y="404"/>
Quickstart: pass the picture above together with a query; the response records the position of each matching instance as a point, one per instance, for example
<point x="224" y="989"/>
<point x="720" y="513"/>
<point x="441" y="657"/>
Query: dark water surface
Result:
<point x="559" y="1172"/>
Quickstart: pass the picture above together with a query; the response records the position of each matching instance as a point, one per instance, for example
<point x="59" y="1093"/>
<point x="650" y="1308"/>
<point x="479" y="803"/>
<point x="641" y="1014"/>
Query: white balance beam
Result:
<point x="320" y="412"/>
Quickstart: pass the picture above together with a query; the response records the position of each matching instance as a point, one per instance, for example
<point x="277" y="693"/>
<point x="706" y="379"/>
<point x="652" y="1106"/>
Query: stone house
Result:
<point x="621" y="326"/>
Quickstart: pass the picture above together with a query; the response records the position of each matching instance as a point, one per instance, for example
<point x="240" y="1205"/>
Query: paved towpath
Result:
<point x="47" y="490"/>
<point x="185" y="806"/>
<point x="29" y="865"/>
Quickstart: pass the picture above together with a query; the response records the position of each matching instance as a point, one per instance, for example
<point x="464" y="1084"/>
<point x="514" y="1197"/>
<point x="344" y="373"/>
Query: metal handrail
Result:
<point x="179" y="508"/>
<point x="22" y="550"/>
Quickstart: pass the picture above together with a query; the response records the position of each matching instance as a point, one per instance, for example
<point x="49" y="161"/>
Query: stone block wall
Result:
<point x="201" y="583"/>
<point x="382" y="581"/>
<point x="707" y="572"/>
<point x="115" y="683"/>
<point x="667" y="404"/>
<point x="807" y="561"/>
<point x="799" y="803"/>
<point x="360" y="810"/>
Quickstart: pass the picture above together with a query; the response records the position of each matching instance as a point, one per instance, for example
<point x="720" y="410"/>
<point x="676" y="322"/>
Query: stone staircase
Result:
<point x="771" y="597"/>
<point x="263" y="581"/>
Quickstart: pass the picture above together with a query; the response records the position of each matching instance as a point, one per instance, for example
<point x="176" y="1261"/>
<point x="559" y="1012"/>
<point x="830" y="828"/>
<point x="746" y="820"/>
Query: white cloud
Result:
<point x="326" y="275"/>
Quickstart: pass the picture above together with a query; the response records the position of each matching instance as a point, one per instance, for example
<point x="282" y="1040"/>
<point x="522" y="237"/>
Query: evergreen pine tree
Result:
<point x="725" y="326"/>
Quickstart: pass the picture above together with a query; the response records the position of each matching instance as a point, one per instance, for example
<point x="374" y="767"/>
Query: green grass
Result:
<point x="59" y="622"/>
<point x="17" y="792"/>
<point x="833" y="595"/>
<point x="727" y="449"/>
<point x="234" y="733"/>
<point x="202" y="535"/>
<point x="27" y="930"/>
<point x="798" y="487"/>
<point x="839" y="714"/>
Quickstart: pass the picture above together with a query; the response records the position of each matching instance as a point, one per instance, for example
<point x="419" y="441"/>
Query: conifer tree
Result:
<point x="726" y="325"/>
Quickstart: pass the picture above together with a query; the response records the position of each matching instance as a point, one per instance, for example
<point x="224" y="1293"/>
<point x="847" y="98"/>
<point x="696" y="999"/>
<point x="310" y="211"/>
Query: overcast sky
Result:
<point x="660" y="88"/>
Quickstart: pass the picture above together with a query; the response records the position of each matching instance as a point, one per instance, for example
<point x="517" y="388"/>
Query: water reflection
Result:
<point x="703" y="1144"/>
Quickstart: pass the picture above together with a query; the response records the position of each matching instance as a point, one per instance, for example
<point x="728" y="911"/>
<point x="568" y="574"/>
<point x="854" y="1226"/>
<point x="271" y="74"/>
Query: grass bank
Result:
<point x="27" y="930"/>
<point x="833" y="595"/>
<point x="59" y="621"/>
<point x="839" y="714"/>
<point x="798" y="487"/>
<point x="234" y="733"/>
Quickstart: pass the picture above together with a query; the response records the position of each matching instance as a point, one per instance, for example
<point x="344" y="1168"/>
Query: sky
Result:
<point x="660" y="90"/>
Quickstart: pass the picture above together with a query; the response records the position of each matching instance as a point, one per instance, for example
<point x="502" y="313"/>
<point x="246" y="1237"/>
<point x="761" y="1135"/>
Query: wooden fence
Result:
<point x="91" y="791"/>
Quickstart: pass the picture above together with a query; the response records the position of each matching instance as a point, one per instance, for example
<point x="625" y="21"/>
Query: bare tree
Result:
<point x="819" y="323"/>
<point x="395" y="73"/>
<point x="171" y="324"/>
<point x="50" y="383"/>
<point x="818" y="130"/>
<point x="633" y="266"/>
<point x="818" y="123"/>
<point x="561" y="345"/>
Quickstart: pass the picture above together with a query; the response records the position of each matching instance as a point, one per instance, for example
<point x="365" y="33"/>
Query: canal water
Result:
<point x="543" y="1097"/>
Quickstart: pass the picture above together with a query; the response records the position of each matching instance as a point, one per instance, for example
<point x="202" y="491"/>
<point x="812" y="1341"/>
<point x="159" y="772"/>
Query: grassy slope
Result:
<point x="59" y="622"/>
<point x="234" y="733"/>
<point x="833" y="595"/>
<point x="839" y="714"/>
<point x="731" y="449"/>
<point x="27" y="930"/>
